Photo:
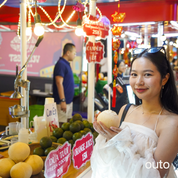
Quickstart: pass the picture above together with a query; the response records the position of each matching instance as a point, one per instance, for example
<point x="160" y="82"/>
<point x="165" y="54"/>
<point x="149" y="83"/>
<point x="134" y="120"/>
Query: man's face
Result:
<point x="72" y="54"/>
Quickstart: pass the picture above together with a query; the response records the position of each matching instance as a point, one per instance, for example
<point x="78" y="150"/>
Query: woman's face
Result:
<point x="122" y="67"/>
<point x="145" y="79"/>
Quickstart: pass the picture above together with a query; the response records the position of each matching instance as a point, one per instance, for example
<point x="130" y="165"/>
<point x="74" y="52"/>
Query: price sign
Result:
<point x="92" y="26"/>
<point x="82" y="150"/>
<point x="58" y="161"/>
<point x="94" y="51"/>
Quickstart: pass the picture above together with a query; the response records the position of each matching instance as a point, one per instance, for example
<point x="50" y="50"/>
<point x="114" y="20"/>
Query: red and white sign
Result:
<point x="58" y="161"/>
<point x="94" y="51"/>
<point x="82" y="150"/>
<point x="93" y="27"/>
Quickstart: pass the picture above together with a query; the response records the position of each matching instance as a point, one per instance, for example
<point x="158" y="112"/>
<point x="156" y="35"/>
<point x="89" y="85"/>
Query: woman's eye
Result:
<point x="148" y="74"/>
<point x="133" y="74"/>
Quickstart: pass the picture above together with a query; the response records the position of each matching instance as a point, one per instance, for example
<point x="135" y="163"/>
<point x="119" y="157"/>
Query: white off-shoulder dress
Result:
<point x="127" y="155"/>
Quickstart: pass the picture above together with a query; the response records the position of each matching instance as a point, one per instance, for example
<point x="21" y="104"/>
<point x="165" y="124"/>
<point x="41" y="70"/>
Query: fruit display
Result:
<point x="45" y="146"/>
<point x="108" y="118"/>
<point x="73" y="130"/>
<point x="20" y="163"/>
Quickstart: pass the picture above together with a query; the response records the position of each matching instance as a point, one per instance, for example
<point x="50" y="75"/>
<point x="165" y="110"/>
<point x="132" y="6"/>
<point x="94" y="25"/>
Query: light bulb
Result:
<point x="39" y="30"/>
<point x="79" y="31"/>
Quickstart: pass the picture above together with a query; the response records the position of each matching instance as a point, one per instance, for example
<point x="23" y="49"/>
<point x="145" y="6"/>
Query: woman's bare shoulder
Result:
<point x="169" y="121"/>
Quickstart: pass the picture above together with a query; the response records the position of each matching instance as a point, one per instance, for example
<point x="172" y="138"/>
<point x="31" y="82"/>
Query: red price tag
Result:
<point x="58" y="161"/>
<point x="93" y="27"/>
<point x="94" y="51"/>
<point x="82" y="150"/>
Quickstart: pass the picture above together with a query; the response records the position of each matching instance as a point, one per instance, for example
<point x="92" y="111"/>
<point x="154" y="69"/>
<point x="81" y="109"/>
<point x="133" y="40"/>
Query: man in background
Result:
<point x="63" y="83"/>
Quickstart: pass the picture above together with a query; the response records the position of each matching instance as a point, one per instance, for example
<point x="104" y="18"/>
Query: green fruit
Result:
<point x="86" y="124"/>
<point x="71" y="120"/>
<point x="74" y="127"/>
<point x="61" y="140"/>
<point x="38" y="151"/>
<point x="45" y="142"/>
<point x="47" y="151"/>
<point x="77" y="117"/>
<point x="71" y="142"/>
<point x="76" y="136"/>
<point x="81" y="124"/>
<point x="83" y="132"/>
<point x="53" y="138"/>
<point x="95" y="134"/>
<point x="87" y="130"/>
<point x="68" y="135"/>
<point x="91" y="127"/>
<point x="65" y="126"/>
<point x="58" y="132"/>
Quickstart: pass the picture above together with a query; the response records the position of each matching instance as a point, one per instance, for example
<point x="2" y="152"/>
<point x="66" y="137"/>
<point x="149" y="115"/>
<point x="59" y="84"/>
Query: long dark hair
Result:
<point x="168" y="96"/>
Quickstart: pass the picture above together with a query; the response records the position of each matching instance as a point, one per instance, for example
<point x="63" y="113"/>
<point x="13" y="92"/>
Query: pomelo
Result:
<point x="19" y="152"/>
<point x="21" y="170"/>
<point x="108" y="118"/>
<point x="36" y="163"/>
<point x="5" y="166"/>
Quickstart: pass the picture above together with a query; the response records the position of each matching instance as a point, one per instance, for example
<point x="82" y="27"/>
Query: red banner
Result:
<point x="82" y="150"/>
<point x="58" y="161"/>
<point x="94" y="51"/>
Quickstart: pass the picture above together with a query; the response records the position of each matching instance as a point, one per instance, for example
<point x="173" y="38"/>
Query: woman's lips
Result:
<point x="140" y="90"/>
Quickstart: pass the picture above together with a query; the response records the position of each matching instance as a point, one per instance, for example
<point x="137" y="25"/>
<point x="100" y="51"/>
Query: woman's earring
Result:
<point x="162" y="91"/>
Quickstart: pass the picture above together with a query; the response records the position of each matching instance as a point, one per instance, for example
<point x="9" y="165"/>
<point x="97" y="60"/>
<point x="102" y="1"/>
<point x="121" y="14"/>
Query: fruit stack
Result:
<point x="73" y="130"/>
<point x="20" y="163"/>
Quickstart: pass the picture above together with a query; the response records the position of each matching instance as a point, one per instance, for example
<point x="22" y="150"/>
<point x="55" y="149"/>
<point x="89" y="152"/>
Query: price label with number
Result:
<point x="82" y="150"/>
<point x="58" y="161"/>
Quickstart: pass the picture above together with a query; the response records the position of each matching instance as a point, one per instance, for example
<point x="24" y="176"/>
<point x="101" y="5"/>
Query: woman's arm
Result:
<point x="167" y="147"/>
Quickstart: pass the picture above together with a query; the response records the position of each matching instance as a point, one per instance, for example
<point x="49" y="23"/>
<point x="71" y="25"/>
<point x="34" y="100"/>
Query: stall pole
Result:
<point x="109" y="56"/>
<point x="91" y="72"/>
<point x="23" y="48"/>
<point x="160" y="33"/>
<point x="146" y="37"/>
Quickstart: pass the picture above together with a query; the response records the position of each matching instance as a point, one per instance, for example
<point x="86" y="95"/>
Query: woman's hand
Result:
<point x="106" y="132"/>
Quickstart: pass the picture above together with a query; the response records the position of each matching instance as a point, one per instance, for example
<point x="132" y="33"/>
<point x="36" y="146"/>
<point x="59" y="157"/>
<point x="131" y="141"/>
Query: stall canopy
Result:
<point x="136" y="11"/>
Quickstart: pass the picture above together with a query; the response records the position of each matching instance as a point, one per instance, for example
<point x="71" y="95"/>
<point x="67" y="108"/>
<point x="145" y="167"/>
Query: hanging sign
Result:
<point x="82" y="150"/>
<point x="93" y="27"/>
<point x="94" y="51"/>
<point x="58" y="161"/>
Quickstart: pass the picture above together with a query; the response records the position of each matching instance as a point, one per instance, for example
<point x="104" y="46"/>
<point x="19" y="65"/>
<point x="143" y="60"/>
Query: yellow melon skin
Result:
<point x="21" y="170"/>
<point x="36" y="163"/>
<point x="108" y="118"/>
<point x="19" y="152"/>
<point x="5" y="166"/>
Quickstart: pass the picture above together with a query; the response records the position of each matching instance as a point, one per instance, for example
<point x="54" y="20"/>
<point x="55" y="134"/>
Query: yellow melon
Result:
<point x="5" y="166"/>
<point x="19" y="151"/>
<point x="36" y="163"/>
<point x="108" y="118"/>
<point x="21" y="170"/>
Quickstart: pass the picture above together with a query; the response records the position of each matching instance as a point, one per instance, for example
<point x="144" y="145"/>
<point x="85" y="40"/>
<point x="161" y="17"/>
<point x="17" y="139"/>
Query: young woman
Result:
<point x="147" y="142"/>
<point x="121" y="68"/>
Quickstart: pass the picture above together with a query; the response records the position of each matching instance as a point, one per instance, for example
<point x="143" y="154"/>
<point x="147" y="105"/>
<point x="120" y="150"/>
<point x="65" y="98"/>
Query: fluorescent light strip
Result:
<point x="166" y="34"/>
<point x="132" y="24"/>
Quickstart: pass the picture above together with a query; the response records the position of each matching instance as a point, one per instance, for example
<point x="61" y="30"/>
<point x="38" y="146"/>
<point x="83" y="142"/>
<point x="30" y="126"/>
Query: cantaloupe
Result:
<point x="5" y="166"/>
<point x="108" y="118"/>
<point x="21" y="170"/>
<point x="36" y="163"/>
<point x="19" y="151"/>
